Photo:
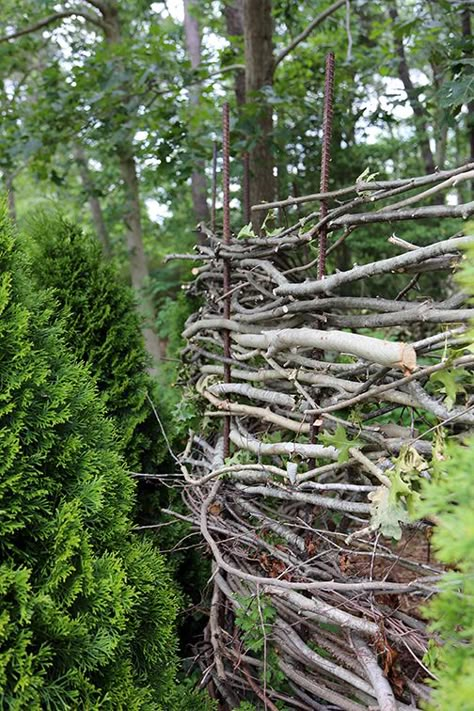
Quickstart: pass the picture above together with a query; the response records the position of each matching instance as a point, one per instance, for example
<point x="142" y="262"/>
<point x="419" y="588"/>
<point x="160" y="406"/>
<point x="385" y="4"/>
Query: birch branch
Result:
<point x="375" y="350"/>
<point x="382" y="688"/>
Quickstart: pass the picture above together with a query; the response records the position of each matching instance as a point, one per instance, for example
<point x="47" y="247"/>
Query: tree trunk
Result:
<point x="94" y="204"/>
<point x="258" y="29"/>
<point x="8" y="178"/>
<point x="137" y="259"/>
<point x="198" y="177"/>
<point x="139" y="270"/>
<point x="234" y="18"/>
<point x="421" y="116"/>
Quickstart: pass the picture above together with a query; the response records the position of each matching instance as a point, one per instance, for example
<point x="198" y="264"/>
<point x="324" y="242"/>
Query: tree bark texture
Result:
<point x="193" y="48"/>
<point x="234" y="17"/>
<point x="258" y="28"/>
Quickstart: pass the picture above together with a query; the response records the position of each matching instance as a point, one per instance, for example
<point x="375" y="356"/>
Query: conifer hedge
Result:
<point x="101" y="327"/>
<point x="87" y="610"/>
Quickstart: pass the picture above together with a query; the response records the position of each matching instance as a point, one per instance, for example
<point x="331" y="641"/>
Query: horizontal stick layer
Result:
<point x="383" y="266"/>
<point x="375" y="350"/>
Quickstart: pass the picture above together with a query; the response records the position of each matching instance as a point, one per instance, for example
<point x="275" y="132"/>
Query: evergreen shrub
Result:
<point x="102" y="328"/>
<point x="87" y="609"/>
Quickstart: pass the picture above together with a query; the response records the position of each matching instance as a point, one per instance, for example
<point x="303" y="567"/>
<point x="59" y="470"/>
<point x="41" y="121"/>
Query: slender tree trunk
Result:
<point x="234" y="18"/>
<point x="193" y="47"/>
<point x="421" y="116"/>
<point x="94" y="204"/>
<point x="139" y="270"/>
<point x="8" y="178"/>
<point x="258" y="28"/>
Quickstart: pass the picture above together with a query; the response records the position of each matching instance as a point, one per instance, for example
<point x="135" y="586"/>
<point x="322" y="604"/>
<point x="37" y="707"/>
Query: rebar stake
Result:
<point x="214" y="187"/>
<point x="326" y="157"/>
<point x="246" y="187"/>
<point x="226" y="240"/>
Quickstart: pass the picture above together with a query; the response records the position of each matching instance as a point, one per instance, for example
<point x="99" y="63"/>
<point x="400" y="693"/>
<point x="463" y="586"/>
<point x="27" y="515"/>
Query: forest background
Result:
<point x="111" y="110"/>
<point x="111" y="115"/>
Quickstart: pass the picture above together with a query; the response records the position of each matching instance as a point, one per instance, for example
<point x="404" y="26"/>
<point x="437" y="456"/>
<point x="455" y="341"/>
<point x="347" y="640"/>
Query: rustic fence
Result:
<point x="305" y="499"/>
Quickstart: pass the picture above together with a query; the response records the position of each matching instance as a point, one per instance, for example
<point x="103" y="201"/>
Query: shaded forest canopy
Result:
<point x="309" y="409"/>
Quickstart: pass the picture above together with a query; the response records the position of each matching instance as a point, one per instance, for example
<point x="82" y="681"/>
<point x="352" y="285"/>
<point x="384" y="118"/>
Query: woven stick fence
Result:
<point x="318" y="573"/>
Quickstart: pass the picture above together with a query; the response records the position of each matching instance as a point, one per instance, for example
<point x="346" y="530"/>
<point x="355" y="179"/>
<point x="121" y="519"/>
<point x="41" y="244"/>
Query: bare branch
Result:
<point x="383" y="266"/>
<point x="306" y="32"/>
<point x="99" y="5"/>
<point x="374" y="185"/>
<point x="380" y="684"/>
<point x="52" y="19"/>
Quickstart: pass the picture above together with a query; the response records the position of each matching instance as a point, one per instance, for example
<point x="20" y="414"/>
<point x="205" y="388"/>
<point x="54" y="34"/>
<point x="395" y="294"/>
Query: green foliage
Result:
<point x="102" y="326"/>
<point x="87" y="609"/>
<point x="179" y="402"/>
<point x="254" y="617"/>
<point x="341" y="441"/>
<point x="450" y="383"/>
<point x="387" y="513"/>
<point x="246" y="231"/>
<point x="448" y="496"/>
<point x="393" y="506"/>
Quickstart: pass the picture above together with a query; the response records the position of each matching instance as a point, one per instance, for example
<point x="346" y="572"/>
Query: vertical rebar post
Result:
<point x="326" y="156"/>
<point x="324" y="186"/>
<point x="246" y="187"/>
<point x="226" y="240"/>
<point x="214" y="187"/>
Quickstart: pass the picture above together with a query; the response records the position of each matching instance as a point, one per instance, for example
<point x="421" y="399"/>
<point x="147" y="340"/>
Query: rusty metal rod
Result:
<point x="226" y="239"/>
<point x="214" y="187"/>
<point x="315" y="424"/>
<point x="326" y="156"/>
<point x="246" y="187"/>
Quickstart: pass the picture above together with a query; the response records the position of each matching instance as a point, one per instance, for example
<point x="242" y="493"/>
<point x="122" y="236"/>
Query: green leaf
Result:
<point x="341" y="441"/>
<point x="366" y="176"/>
<point x="387" y="514"/>
<point x="246" y="231"/>
<point x="450" y="383"/>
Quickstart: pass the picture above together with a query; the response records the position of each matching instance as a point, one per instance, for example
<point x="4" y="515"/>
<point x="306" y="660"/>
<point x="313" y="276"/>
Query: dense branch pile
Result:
<point x="318" y="574"/>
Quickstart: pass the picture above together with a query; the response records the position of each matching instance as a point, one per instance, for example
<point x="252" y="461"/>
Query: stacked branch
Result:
<point x="319" y="571"/>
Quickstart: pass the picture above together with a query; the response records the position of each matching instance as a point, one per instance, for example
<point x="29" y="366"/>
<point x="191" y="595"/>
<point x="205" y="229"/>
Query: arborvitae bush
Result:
<point x="87" y="609"/>
<point x="102" y="328"/>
